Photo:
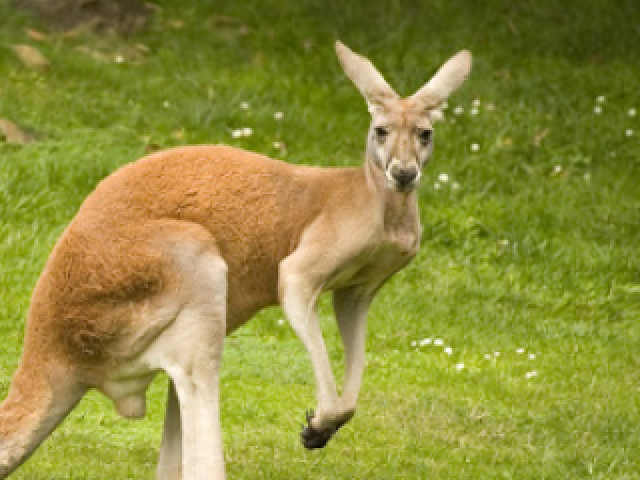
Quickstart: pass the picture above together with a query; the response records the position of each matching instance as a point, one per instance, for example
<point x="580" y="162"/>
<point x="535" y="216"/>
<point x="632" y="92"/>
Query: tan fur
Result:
<point x="113" y="250"/>
<point x="215" y="232"/>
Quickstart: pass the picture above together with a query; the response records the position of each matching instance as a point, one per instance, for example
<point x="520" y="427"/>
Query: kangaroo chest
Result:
<point x="374" y="265"/>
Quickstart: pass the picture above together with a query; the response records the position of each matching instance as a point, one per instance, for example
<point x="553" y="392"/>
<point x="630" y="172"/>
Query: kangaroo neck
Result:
<point x="399" y="210"/>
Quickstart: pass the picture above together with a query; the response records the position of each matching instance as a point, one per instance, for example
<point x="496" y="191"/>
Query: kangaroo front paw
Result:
<point x="313" y="438"/>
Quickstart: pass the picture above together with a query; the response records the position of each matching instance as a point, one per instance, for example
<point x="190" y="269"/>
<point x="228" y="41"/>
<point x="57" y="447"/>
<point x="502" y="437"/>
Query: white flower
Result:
<point x="119" y="58"/>
<point x="628" y="132"/>
<point x="496" y="354"/>
<point x="414" y="343"/>
<point x="166" y="104"/>
<point x="436" y="186"/>
<point x="531" y="374"/>
<point x="281" y="321"/>
<point x="443" y="178"/>
<point x="473" y="111"/>
<point x="425" y="341"/>
<point x="244" y="105"/>
<point x="487" y="356"/>
<point x="278" y="116"/>
<point x="242" y="132"/>
<point x="277" y="145"/>
<point x="476" y="102"/>
<point x="601" y="99"/>
<point x="475" y="147"/>
<point x="631" y="112"/>
<point x="597" y="109"/>
<point x="557" y="169"/>
<point x="532" y="356"/>
<point x="519" y="351"/>
<point x="504" y="242"/>
<point x="459" y="366"/>
<point x="448" y="350"/>
<point x="587" y="177"/>
<point x="444" y="105"/>
<point x="491" y="107"/>
<point x="455" y="185"/>
<point x="458" y="110"/>
<point x="438" y="342"/>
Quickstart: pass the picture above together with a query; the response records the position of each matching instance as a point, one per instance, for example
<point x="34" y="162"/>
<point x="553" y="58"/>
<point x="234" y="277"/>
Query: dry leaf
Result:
<point x="37" y="35"/>
<point x="14" y="134"/>
<point x="537" y="139"/>
<point x="99" y="56"/>
<point x="134" y="54"/>
<point x="83" y="28"/>
<point x="31" y="57"/>
<point x="142" y="48"/>
<point x="230" y="25"/>
<point x="153" y="7"/>
<point x="225" y="21"/>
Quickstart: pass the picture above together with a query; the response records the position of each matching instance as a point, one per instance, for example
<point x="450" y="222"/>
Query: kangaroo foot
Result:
<point x="313" y="438"/>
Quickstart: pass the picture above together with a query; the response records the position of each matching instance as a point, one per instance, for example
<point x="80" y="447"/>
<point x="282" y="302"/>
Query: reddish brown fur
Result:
<point x="113" y="251"/>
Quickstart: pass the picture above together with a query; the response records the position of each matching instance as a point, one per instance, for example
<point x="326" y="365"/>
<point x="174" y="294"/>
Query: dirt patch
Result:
<point x="121" y="16"/>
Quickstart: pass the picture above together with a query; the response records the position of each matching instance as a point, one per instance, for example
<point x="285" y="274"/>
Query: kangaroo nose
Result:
<point x="404" y="176"/>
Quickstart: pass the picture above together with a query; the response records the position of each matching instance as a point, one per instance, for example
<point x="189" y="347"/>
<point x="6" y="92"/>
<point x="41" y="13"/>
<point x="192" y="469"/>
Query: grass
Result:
<point x="536" y="250"/>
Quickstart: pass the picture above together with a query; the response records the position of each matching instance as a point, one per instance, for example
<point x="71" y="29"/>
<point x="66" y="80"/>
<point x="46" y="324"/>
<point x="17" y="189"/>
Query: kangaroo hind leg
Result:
<point x="170" y="461"/>
<point x="189" y="350"/>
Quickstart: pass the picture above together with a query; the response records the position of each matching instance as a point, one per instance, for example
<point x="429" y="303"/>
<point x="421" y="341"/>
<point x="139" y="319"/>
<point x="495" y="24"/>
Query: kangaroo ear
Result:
<point x="446" y="80"/>
<point x="365" y="77"/>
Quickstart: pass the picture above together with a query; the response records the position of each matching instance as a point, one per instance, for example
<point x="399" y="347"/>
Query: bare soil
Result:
<point x="120" y="16"/>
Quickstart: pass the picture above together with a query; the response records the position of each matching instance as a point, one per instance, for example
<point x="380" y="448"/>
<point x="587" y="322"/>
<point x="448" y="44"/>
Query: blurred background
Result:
<point x="509" y="348"/>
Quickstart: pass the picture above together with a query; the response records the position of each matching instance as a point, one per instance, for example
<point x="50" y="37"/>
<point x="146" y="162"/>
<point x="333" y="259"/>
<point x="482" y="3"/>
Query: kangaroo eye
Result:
<point x="424" y="136"/>
<point x="381" y="132"/>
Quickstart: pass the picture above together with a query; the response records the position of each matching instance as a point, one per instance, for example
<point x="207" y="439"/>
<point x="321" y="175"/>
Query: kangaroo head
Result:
<point x="399" y="142"/>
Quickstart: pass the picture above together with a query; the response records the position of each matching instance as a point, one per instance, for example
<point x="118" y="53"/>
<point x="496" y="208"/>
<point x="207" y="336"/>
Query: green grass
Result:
<point x="537" y="249"/>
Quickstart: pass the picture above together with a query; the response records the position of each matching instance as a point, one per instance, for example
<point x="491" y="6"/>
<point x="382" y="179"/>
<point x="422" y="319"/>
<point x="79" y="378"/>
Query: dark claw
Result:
<point x="312" y="438"/>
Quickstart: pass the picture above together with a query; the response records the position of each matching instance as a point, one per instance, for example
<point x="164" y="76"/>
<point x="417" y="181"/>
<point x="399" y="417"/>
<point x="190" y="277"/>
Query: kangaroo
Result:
<point x="174" y="251"/>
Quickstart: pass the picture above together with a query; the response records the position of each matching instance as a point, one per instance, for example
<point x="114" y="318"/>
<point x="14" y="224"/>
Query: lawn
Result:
<point x="509" y="348"/>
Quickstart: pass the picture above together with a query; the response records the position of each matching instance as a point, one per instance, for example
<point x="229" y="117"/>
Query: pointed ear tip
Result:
<point x="466" y="55"/>
<point x="339" y="46"/>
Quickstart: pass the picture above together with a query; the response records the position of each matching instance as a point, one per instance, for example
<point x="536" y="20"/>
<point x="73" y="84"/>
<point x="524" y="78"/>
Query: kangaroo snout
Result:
<point x="403" y="177"/>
